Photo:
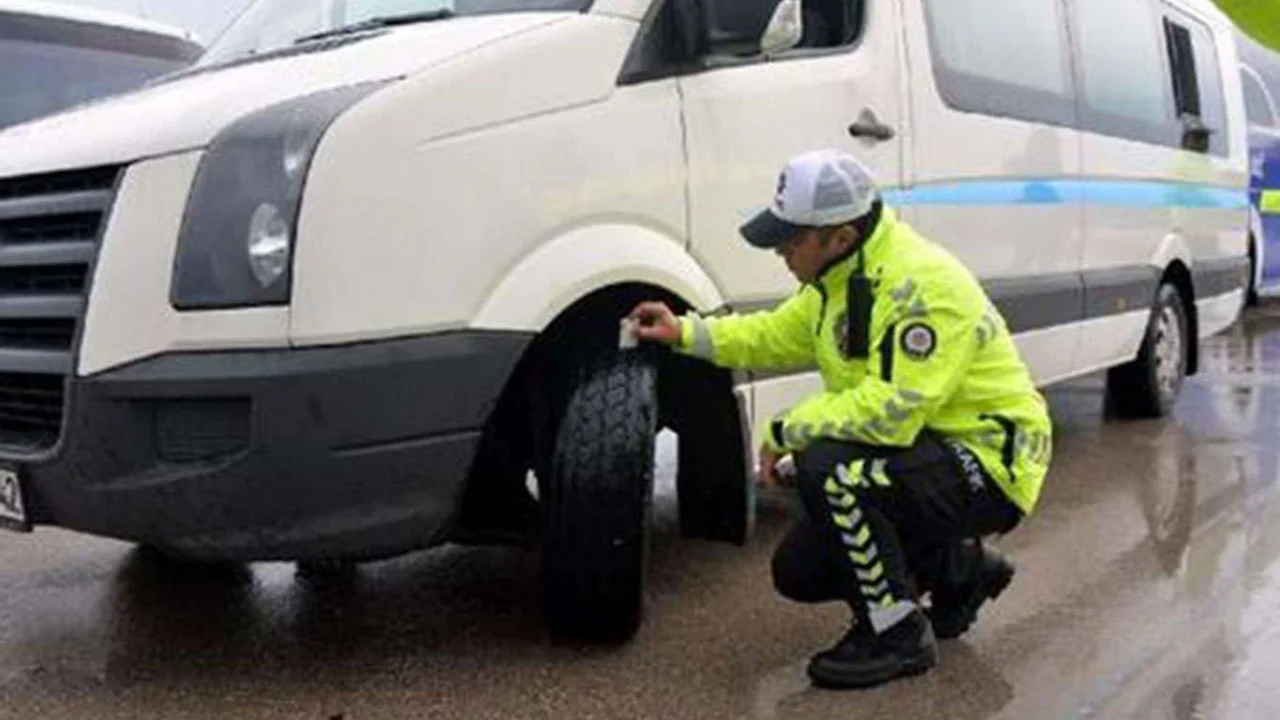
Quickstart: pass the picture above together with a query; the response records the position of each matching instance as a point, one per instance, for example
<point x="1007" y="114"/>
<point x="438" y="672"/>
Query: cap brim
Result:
<point x="767" y="230"/>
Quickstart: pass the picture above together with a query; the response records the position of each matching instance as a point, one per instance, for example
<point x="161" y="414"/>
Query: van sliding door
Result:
<point x="996" y="161"/>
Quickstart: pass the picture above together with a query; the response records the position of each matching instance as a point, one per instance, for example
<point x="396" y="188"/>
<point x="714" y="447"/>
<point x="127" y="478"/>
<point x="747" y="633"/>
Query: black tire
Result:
<point x="596" y="503"/>
<point x="1251" y="292"/>
<point x="1148" y="387"/>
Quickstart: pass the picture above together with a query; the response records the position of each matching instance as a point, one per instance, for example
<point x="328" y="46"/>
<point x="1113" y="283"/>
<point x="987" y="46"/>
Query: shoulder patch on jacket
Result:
<point x="919" y="341"/>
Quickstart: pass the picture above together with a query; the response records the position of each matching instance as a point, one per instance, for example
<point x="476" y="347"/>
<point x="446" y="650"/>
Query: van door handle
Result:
<point x="869" y="127"/>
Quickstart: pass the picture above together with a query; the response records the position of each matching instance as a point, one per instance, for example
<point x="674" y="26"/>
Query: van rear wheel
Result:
<point x="1148" y="387"/>
<point x="1251" y="289"/>
<point x="597" y="500"/>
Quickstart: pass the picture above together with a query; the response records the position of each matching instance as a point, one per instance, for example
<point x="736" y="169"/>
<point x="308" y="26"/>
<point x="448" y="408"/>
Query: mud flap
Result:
<point x="716" y="488"/>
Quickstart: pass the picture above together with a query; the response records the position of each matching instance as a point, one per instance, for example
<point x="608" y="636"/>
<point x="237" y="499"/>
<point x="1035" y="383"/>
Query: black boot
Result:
<point x="862" y="659"/>
<point x="955" y="608"/>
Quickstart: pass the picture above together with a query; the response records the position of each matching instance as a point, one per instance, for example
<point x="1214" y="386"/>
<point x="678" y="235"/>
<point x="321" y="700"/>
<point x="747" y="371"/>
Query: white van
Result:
<point x="57" y="55"/>
<point x="333" y="292"/>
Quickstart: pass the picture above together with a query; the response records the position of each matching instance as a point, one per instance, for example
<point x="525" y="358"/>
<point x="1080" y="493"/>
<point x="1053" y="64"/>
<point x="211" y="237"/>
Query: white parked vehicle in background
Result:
<point x="56" y="55"/>
<point x="334" y="291"/>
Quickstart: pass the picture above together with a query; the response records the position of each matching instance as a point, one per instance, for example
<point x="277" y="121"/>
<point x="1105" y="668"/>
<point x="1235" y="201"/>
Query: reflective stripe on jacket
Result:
<point x="941" y="358"/>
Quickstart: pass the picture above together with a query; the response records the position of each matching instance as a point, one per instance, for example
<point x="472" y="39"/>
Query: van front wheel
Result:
<point x="597" y="500"/>
<point x="1149" y="386"/>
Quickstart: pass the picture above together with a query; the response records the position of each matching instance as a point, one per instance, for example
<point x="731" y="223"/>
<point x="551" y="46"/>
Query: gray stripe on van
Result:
<point x="1037" y="302"/>
<point x="1220" y="276"/>
<point x="1119" y="290"/>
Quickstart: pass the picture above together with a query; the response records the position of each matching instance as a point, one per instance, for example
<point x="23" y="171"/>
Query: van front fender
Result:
<point x="560" y="272"/>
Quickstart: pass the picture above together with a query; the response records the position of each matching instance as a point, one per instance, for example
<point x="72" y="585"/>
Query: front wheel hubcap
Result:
<point x="1169" y="356"/>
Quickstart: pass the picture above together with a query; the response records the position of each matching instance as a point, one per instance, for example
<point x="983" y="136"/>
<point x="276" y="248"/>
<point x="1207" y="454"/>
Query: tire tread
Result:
<point x="598" y="500"/>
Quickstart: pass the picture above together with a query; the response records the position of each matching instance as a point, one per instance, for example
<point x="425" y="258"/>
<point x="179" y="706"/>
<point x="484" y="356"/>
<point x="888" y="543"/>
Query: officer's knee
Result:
<point x="822" y="460"/>
<point x="797" y="582"/>
<point x="822" y="456"/>
<point x="818" y="460"/>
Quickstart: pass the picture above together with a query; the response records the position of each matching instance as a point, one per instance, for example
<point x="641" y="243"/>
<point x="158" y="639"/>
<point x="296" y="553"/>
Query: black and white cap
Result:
<point x="817" y="189"/>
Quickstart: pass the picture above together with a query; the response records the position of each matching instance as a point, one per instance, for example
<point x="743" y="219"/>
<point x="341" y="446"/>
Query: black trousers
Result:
<point x="882" y="526"/>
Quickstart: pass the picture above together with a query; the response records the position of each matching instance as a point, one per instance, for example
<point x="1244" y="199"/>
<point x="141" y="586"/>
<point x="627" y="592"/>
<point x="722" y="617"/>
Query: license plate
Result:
<point x="13" y="512"/>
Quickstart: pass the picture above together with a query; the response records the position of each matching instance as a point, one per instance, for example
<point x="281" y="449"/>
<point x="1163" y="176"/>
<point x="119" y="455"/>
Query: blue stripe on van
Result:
<point x="1116" y="193"/>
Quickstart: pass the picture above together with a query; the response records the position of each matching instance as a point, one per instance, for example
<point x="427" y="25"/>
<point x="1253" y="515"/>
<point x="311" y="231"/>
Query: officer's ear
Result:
<point x="842" y="237"/>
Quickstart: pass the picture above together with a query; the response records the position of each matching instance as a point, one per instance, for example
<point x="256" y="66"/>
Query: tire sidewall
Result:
<point x="1166" y="297"/>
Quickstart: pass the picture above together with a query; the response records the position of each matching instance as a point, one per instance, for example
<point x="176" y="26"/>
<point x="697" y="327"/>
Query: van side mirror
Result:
<point x="785" y="28"/>
<point x="1196" y="136"/>
<point x="751" y="27"/>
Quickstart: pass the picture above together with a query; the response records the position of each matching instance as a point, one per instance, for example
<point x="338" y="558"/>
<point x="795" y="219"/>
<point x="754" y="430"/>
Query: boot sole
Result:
<point x="836" y="680"/>
<point x="993" y="591"/>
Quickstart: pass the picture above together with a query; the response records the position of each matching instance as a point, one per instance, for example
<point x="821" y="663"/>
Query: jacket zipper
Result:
<point x="822" y="313"/>
<point x="887" y="346"/>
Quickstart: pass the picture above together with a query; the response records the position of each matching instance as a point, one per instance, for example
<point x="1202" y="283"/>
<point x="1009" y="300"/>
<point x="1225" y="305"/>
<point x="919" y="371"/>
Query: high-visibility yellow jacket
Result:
<point x="941" y="358"/>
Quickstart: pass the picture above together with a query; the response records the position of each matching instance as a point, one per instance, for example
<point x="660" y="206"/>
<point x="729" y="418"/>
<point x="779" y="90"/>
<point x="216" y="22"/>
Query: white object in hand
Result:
<point x="786" y="468"/>
<point x="627" y="339"/>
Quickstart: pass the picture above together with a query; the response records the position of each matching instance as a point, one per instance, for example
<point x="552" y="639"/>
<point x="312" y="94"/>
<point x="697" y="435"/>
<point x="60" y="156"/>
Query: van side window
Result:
<point x="827" y="24"/>
<point x="1182" y="63"/>
<point x="687" y="35"/>
<point x="1003" y="58"/>
<point x="831" y="23"/>
<point x="1122" y="75"/>
<point x="661" y="47"/>
<point x="1256" y="104"/>
<point x="1197" y="85"/>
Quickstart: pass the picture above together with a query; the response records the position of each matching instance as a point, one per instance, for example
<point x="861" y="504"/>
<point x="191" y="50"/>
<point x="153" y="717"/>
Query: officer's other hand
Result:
<point x="656" y="322"/>
<point x="768" y="467"/>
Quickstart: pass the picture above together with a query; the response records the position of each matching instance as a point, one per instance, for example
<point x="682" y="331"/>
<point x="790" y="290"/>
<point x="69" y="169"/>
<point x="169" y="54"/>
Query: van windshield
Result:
<point x="271" y="25"/>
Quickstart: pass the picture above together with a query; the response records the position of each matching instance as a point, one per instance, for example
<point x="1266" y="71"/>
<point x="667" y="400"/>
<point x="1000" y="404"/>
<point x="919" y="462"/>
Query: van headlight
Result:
<point x="237" y="240"/>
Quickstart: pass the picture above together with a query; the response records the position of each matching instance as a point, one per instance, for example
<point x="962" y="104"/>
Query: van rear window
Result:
<point x="1003" y="58"/>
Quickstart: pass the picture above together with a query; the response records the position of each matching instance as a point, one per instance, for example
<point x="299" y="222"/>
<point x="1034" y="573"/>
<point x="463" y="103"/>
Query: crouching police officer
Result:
<point x="929" y="433"/>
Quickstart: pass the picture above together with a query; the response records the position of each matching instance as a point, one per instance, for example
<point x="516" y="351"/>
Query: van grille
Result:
<point x="49" y="230"/>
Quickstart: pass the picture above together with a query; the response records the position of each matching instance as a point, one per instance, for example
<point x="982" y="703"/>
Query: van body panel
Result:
<point x="744" y="122"/>
<point x="424" y="260"/>
<point x="128" y="312"/>
<point x="588" y="259"/>
<point x="1157" y="194"/>
<point x="989" y="189"/>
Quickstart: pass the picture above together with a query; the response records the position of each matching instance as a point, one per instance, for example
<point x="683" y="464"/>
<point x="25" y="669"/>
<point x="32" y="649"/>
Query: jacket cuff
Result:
<point x="686" y="335"/>
<point x="695" y="338"/>
<point x="775" y="436"/>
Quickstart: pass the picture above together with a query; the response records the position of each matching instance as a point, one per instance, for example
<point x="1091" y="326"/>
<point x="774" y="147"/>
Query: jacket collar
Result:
<point x="872" y="253"/>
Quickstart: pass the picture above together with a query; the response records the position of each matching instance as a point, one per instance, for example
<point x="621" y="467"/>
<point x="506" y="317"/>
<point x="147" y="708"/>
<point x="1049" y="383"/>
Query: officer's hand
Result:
<point x="768" y="467"/>
<point x="656" y="322"/>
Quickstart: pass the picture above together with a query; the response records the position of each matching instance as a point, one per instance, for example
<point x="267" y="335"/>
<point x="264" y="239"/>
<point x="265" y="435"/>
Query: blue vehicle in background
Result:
<point x="1260" y="73"/>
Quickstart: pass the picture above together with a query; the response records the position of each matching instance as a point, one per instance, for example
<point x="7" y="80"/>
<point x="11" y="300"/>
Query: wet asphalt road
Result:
<point x="1149" y="587"/>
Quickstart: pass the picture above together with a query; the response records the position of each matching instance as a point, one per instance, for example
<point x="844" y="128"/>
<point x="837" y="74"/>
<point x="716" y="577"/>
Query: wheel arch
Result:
<point x="696" y="400"/>
<point x="586" y="261"/>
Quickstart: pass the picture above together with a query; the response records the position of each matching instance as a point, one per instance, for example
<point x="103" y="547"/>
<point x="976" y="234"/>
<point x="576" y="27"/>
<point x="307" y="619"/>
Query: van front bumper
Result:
<point x="354" y="452"/>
